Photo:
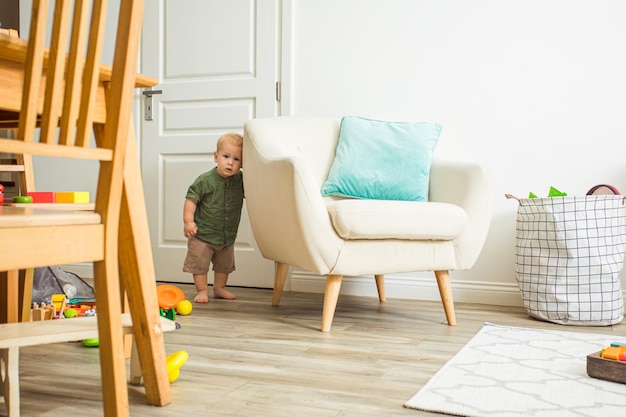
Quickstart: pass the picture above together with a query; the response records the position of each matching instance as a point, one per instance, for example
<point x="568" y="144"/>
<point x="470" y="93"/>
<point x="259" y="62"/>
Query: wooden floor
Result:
<point x="249" y="359"/>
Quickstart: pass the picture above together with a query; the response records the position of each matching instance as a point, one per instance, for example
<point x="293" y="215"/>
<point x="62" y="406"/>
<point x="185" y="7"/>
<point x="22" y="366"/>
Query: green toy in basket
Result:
<point x="552" y="193"/>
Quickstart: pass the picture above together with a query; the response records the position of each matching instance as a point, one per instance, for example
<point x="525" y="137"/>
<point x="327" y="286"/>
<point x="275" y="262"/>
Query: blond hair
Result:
<point x="233" y="138"/>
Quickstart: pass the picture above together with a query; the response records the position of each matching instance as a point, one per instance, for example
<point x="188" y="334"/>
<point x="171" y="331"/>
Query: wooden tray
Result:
<point x="607" y="369"/>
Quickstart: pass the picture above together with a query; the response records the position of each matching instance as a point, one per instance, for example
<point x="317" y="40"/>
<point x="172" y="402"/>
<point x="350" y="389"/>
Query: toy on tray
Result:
<point x="617" y="351"/>
<point x="72" y="197"/>
<point x="42" y="196"/>
<point x="22" y="199"/>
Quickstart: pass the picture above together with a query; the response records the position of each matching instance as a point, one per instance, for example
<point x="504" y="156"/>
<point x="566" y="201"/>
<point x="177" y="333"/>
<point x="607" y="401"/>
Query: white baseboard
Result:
<point x="416" y="288"/>
<point x="83" y="270"/>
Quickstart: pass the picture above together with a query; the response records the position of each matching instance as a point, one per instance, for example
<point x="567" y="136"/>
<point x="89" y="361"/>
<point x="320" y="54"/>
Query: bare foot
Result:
<point x="202" y="297"/>
<point x="223" y="293"/>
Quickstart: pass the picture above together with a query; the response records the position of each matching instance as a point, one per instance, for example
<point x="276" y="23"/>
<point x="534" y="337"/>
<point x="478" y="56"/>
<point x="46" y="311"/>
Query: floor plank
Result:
<point x="247" y="358"/>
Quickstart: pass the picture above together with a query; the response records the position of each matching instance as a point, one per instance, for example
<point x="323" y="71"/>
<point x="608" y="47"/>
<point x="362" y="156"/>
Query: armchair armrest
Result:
<point x="286" y="209"/>
<point x="469" y="185"/>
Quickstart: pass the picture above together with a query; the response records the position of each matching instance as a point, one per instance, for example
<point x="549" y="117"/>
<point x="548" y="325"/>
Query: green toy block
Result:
<point x="531" y="195"/>
<point x="556" y="193"/>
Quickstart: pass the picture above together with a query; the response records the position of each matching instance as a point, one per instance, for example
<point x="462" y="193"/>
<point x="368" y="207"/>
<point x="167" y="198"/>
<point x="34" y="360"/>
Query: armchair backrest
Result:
<point x="285" y="162"/>
<point x="312" y="139"/>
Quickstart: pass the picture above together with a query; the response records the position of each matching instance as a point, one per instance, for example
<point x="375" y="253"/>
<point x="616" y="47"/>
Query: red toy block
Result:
<point x="42" y="196"/>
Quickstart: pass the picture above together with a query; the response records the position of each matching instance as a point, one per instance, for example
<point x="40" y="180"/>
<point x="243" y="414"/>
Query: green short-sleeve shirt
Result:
<point x="218" y="211"/>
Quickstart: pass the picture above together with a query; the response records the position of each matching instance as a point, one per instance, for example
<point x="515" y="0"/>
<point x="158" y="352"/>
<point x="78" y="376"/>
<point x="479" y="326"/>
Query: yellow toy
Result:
<point x="184" y="307"/>
<point x="59" y="301"/>
<point x="174" y="362"/>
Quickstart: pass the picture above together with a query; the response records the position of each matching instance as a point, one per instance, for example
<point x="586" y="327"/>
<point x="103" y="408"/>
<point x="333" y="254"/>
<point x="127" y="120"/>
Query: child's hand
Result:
<point x="190" y="229"/>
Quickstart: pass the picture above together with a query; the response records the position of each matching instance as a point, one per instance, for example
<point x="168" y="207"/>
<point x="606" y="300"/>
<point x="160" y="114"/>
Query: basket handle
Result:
<point x="509" y="196"/>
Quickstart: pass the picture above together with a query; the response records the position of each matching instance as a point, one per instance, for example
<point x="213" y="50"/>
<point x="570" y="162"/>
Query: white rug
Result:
<point x="518" y="372"/>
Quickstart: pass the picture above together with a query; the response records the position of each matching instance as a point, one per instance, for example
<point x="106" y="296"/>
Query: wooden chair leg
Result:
<point x="445" y="291"/>
<point x="26" y="293"/>
<point x="135" y="366"/>
<point x="380" y="286"/>
<point x="137" y="271"/>
<point x="9" y="293"/>
<point x="112" y="361"/>
<point x="9" y="380"/>
<point x="331" y="295"/>
<point x="279" y="282"/>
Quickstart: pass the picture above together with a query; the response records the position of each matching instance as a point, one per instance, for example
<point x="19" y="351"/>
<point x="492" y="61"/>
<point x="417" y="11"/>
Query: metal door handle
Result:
<point x="148" y="102"/>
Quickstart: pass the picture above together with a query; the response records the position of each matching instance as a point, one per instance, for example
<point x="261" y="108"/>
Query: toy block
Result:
<point x="42" y="196"/>
<point x="38" y="312"/>
<point x="49" y="313"/>
<point x="613" y="352"/>
<point x="74" y="197"/>
<point x="58" y="302"/>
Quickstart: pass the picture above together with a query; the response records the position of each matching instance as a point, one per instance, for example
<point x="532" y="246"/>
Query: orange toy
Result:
<point x="169" y="296"/>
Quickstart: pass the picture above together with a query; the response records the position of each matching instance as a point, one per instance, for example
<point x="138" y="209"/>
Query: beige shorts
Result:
<point x="200" y="254"/>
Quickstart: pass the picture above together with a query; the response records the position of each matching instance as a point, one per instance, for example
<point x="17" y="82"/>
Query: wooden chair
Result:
<point x="66" y="96"/>
<point x="21" y="170"/>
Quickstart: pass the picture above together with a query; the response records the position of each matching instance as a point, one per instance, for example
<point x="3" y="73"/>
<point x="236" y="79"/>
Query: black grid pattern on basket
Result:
<point x="568" y="255"/>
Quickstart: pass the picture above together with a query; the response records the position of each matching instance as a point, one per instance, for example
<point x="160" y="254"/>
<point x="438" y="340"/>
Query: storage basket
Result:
<point x="569" y="253"/>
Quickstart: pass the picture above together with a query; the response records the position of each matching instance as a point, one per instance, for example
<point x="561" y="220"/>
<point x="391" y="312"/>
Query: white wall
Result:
<point x="536" y="88"/>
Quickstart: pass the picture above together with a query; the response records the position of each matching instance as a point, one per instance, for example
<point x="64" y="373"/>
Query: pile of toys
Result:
<point x="60" y="308"/>
<point x="172" y="301"/>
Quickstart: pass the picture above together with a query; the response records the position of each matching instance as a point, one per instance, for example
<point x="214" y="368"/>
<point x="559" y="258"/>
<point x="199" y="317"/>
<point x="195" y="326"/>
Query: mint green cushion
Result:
<point x="382" y="160"/>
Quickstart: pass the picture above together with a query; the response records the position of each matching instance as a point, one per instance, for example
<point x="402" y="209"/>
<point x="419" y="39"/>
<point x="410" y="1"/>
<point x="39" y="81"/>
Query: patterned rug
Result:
<point x="518" y="372"/>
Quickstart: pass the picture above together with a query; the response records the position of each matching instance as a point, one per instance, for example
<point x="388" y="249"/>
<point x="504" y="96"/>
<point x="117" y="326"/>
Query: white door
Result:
<point x="217" y="66"/>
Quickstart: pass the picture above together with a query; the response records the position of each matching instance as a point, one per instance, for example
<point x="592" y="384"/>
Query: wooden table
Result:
<point x="136" y="262"/>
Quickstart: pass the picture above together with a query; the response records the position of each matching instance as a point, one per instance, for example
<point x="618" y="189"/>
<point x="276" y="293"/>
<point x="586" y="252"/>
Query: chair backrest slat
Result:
<point x="74" y="77"/>
<point x="32" y="77"/>
<point x="53" y="103"/>
<point x="71" y="75"/>
<point x="92" y="73"/>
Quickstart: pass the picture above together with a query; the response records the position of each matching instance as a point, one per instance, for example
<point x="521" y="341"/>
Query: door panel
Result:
<point x="217" y="65"/>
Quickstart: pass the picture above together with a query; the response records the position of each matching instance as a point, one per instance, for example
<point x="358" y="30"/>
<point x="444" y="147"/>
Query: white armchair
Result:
<point x="286" y="162"/>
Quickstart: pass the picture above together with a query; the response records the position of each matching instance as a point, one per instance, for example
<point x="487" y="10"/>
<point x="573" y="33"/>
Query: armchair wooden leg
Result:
<point x="331" y="294"/>
<point x="445" y="291"/>
<point x="380" y="286"/>
<point x="279" y="282"/>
